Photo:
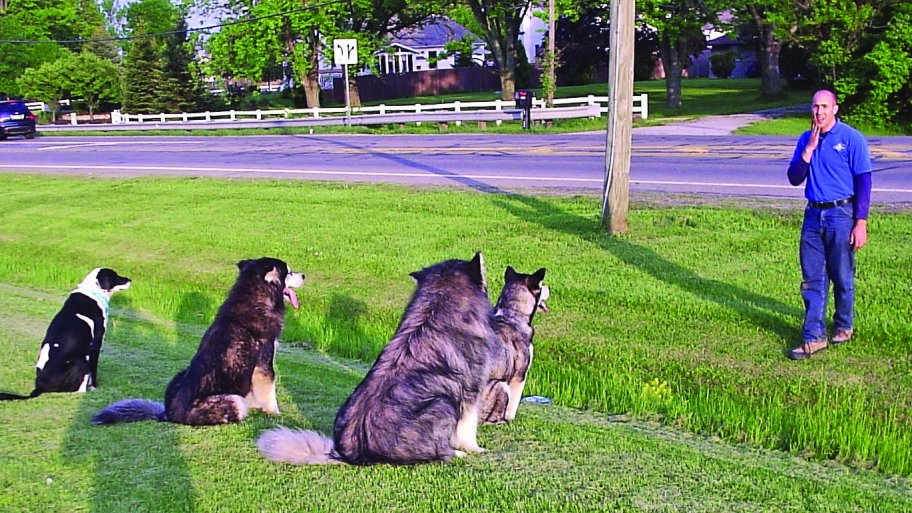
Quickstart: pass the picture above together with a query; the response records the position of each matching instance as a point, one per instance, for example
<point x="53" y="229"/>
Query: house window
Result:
<point x="432" y="59"/>
<point x="383" y="65"/>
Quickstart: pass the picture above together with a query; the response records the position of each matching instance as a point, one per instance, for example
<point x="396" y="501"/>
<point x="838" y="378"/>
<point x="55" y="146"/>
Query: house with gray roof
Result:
<point x="420" y="48"/>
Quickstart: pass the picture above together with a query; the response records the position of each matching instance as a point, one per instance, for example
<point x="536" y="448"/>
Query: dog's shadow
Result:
<point x="134" y="464"/>
<point x="316" y="399"/>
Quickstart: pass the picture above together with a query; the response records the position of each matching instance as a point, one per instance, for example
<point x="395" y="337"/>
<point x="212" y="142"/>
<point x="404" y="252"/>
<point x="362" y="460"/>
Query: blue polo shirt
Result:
<point x="841" y="154"/>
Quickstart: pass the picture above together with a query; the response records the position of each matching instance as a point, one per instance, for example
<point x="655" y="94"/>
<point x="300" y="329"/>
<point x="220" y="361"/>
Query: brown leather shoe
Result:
<point x="842" y="336"/>
<point x="807" y="348"/>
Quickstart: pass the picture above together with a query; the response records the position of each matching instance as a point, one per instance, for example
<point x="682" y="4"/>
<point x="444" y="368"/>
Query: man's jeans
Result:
<point x="826" y="255"/>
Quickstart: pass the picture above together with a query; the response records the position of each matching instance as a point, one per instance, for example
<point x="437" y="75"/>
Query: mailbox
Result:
<point x="524" y="98"/>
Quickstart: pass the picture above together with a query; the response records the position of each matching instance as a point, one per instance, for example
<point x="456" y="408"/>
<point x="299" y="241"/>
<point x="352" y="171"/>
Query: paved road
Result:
<point x="722" y="165"/>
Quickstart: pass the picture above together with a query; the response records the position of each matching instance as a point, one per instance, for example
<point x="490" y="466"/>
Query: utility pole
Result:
<point x="616" y="195"/>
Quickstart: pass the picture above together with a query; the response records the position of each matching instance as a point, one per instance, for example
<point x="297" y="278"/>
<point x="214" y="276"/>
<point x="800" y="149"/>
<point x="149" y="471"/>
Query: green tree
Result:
<point x="49" y="82"/>
<point x="93" y="79"/>
<point x="159" y="75"/>
<point x="461" y="50"/>
<point x="16" y="57"/>
<point x="760" y="19"/>
<point x="256" y="49"/>
<point x="884" y="92"/>
<point x="861" y="49"/>
<point x="143" y="74"/>
<point x="41" y="20"/>
<point x="679" y="25"/>
<point x="181" y="90"/>
<point x="371" y="22"/>
<point x="498" y="23"/>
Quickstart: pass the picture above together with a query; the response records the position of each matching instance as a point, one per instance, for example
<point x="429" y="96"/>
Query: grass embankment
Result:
<point x="683" y="321"/>
<point x="793" y="125"/>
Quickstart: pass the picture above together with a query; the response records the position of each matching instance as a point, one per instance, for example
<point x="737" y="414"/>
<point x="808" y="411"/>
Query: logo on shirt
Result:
<point x="839" y="147"/>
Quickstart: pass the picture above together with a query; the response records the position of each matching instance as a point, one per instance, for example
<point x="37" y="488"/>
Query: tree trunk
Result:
<point x="53" y="105"/>
<point x="507" y="82"/>
<point x="671" y="61"/>
<point x="508" y="70"/>
<point x="770" y="81"/>
<point x="353" y="95"/>
<point x="311" y="80"/>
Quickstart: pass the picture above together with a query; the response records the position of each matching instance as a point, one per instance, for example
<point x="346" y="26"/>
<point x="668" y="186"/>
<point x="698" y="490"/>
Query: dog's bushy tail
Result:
<point x="297" y="447"/>
<point x="13" y="397"/>
<point x="131" y="410"/>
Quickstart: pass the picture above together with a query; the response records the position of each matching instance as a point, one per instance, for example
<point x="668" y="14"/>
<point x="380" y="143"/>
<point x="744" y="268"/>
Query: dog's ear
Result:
<point x="509" y="274"/>
<point x="477" y="271"/>
<point x="243" y="265"/>
<point x="536" y="278"/>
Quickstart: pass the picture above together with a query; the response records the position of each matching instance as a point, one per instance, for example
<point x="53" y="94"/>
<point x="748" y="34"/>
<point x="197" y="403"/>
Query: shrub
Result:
<point x="723" y="63"/>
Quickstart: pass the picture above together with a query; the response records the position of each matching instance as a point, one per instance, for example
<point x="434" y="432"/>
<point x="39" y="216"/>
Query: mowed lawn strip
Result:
<point x="552" y="458"/>
<point x="684" y="320"/>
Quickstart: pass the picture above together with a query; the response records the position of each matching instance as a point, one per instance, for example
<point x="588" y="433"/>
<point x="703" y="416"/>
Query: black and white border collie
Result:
<point x="68" y="357"/>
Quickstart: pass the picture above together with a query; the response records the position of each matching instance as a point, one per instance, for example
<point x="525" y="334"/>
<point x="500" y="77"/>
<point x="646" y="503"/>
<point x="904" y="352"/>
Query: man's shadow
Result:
<point x="763" y="312"/>
<point x="135" y="464"/>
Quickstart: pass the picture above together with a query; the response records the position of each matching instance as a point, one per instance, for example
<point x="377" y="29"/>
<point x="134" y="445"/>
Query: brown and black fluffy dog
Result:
<point x="232" y="370"/>
<point x="420" y="401"/>
<point x="522" y="296"/>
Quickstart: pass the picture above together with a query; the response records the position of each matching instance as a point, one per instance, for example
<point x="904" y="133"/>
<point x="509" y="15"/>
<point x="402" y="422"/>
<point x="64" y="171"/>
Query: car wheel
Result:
<point x="30" y="135"/>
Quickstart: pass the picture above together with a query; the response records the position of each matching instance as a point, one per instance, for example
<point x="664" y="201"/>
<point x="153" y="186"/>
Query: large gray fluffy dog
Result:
<point x="421" y="399"/>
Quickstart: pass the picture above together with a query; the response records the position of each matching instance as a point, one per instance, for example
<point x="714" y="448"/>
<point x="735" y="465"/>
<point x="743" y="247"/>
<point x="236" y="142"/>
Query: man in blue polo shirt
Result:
<point x="833" y="158"/>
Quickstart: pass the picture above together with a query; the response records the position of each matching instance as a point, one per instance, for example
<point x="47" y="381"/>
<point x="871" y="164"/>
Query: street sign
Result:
<point x="345" y="51"/>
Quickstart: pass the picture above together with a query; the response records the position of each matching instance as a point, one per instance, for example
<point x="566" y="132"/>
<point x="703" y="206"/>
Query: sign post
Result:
<point x="345" y="52"/>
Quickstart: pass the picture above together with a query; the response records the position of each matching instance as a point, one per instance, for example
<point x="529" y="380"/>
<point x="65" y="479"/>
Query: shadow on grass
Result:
<point x="753" y="307"/>
<point x="137" y="466"/>
<point x="759" y="310"/>
<point x="313" y="388"/>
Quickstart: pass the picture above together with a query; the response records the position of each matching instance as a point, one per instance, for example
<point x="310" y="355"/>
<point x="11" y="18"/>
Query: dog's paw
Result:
<point x="472" y="448"/>
<point x="459" y="454"/>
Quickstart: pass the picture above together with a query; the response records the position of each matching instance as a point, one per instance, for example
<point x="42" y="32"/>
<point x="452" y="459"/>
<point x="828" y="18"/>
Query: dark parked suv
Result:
<point x="16" y="119"/>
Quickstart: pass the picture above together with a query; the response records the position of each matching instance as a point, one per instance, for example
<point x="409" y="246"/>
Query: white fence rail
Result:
<point x="456" y="112"/>
<point x="43" y="107"/>
<point x="640" y="107"/>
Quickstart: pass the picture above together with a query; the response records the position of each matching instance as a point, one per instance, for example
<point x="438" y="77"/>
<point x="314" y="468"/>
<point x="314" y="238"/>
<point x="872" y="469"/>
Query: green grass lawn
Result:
<point x="663" y="351"/>
<point x="795" y="124"/>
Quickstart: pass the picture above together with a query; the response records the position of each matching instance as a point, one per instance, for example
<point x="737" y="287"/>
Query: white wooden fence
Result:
<point x="42" y="107"/>
<point x="640" y="107"/>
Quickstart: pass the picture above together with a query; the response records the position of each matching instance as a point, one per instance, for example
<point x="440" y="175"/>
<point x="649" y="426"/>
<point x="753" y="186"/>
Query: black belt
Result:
<point x="829" y="204"/>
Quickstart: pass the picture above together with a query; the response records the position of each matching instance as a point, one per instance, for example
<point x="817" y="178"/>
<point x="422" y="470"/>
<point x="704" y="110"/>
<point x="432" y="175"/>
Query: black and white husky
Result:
<point x="68" y="357"/>
<point x="523" y="295"/>
<point x="233" y="369"/>
<point x="420" y="401"/>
